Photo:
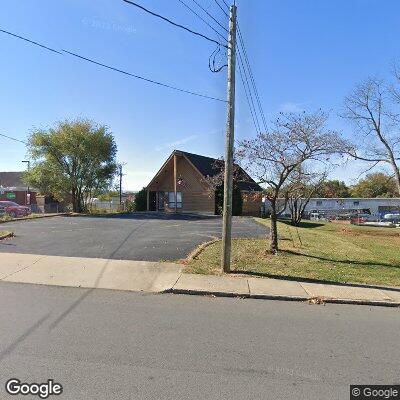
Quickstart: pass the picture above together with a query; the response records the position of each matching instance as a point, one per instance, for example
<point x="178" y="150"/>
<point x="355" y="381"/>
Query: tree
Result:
<point x="332" y="189"/>
<point x="72" y="160"/>
<point x="377" y="184"/>
<point x="302" y="186"/>
<point x="294" y="141"/>
<point x="141" y="200"/>
<point x="370" y="108"/>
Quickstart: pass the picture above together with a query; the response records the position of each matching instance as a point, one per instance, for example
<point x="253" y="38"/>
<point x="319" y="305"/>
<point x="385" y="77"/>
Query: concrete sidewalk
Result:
<point x="88" y="272"/>
<point x="168" y="277"/>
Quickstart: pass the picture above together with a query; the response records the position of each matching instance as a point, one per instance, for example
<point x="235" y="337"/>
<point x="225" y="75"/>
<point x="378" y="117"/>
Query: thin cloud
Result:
<point x="291" y="107"/>
<point x="176" y="143"/>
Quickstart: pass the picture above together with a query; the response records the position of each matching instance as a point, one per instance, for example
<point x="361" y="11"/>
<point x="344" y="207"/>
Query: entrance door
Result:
<point x="152" y="201"/>
<point x="161" y="200"/>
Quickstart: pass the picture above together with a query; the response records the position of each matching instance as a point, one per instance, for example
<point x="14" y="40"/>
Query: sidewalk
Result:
<point x="168" y="278"/>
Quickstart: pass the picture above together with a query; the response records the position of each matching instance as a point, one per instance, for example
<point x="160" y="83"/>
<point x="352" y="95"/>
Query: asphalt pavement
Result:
<point x="105" y="344"/>
<point x="142" y="237"/>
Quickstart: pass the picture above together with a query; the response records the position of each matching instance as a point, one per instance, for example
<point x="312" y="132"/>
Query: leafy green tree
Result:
<point x="377" y="184"/>
<point x="72" y="160"/>
<point x="141" y="200"/>
<point x="107" y="196"/>
<point x="333" y="189"/>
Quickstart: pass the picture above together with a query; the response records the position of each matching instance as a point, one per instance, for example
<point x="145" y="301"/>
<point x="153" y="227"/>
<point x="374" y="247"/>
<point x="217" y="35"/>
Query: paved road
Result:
<point x="144" y="237"/>
<point x="104" y="344"/>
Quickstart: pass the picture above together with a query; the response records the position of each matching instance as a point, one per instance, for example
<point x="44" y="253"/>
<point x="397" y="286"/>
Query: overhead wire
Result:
<point x="210" y="15"/>
<point x="30" y="41"/>
<point x="143" y="78"/>
<point x="249" y="96"/>
<point x="219" y="5"/>
<point x="115" y="69"/>
<point x="173" y="23"/>
<point x="200" y="17"/>
<point x="252" y="79"/>
<point x="12" y="138"/>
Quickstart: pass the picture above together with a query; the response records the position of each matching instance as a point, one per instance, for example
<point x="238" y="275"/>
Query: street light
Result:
<point x="27" y="192"/>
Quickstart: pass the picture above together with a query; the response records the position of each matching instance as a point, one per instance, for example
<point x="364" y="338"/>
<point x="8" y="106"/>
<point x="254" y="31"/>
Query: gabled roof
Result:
<point x="210" y="167"/>
<point x="11" y="179"/>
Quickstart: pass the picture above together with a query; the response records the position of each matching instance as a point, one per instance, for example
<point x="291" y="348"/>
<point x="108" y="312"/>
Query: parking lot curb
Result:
<point x="32" y="219"/>
<point x="6" y="235"/>
<point x="323" y="300"/>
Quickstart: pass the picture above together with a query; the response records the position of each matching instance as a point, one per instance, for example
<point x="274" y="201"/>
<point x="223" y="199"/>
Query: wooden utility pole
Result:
<point x="28" y="195"/>
<point x="120" y="184"/>
<point x="229" y="142"/>
<point x="175" y="182"/>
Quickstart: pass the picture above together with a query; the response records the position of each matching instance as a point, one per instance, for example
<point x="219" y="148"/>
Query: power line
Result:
<point x="142" y="78"/>
<point x="252" y="78"/>
<point x="211" y="16"/>
<point x="11" y="138"/>
<point x="118" y="70"/>
<point x="219" y="5"/>
<point x="30" y="41"/>
<point x="249" y="95"/>
<point x="247" y="98"/>
<point x="174" y="23"/>
<point x="199" y="16"/>
<point x="225" y="4"/>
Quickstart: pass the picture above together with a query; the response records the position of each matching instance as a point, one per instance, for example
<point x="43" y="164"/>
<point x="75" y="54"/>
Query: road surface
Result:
<point x="105" y="344"/>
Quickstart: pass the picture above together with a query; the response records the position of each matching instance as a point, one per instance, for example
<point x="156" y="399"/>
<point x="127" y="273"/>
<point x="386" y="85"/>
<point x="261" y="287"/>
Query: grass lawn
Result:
<point x="4" y="234"/>
<point x="314" y="251"/>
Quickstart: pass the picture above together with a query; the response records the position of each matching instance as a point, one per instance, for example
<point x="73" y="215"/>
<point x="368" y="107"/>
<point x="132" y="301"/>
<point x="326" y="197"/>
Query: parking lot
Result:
<point x="145" y="237"/>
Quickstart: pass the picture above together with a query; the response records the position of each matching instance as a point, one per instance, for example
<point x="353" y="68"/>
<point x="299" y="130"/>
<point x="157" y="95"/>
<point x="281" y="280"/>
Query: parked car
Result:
<point x="14" y="210"/>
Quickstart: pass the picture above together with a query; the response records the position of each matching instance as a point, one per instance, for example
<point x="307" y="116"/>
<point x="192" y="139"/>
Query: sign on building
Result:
<point x="10" y="195"/>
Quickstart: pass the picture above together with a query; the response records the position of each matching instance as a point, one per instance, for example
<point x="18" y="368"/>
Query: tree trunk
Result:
<point x="274" y="230"/>
<point x="74" y="200"/>
<point x="396" y="175"/>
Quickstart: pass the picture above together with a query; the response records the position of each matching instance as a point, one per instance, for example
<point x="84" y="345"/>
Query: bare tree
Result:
<point x="370" y="108"/>
<point x="293" y="141"/>
<point x="302" y="186"/>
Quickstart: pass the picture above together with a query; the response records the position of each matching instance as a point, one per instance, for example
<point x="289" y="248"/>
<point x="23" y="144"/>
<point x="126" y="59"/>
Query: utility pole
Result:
<point x="27" y="191"/>
<point x="120" y="184"/>
<point x="229" y="142"/>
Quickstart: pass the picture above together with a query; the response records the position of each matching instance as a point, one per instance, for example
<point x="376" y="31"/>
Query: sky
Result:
<point x="305" y="55"/>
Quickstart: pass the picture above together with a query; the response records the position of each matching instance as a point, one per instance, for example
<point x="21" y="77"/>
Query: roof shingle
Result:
<point x="209" y="167"/>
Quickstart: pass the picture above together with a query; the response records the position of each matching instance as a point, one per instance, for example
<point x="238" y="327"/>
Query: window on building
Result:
<point x="171" y="200"/>
<point x="356" y="203"/>
<point x="319" y="202"/>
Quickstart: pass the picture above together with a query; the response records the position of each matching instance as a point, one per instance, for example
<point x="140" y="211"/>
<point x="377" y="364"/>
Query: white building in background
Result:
<point x="375" y="206"/>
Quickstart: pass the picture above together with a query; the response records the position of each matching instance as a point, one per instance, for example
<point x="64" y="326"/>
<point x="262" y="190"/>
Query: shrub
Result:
<point x="140" y="202"/>
<point x="237" y="201"/>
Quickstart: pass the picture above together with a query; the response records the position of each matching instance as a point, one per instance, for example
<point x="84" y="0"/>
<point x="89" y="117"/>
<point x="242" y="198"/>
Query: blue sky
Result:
<point x="305" y="55"/>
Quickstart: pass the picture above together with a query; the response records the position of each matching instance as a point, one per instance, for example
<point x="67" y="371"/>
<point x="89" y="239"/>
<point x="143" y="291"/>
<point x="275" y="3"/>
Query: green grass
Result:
<point x="315" y="251"/>
<point x="4" y="234"/>
<point x="4" y="218"/>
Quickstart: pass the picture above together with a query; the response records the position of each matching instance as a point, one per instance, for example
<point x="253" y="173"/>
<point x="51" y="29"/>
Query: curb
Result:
<point x="199" y="249"/>
<point x="111" y="214"/>
<point x="32" y="219"/>
<point x="193" y="292"/>
<point x="7" y="235"/>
